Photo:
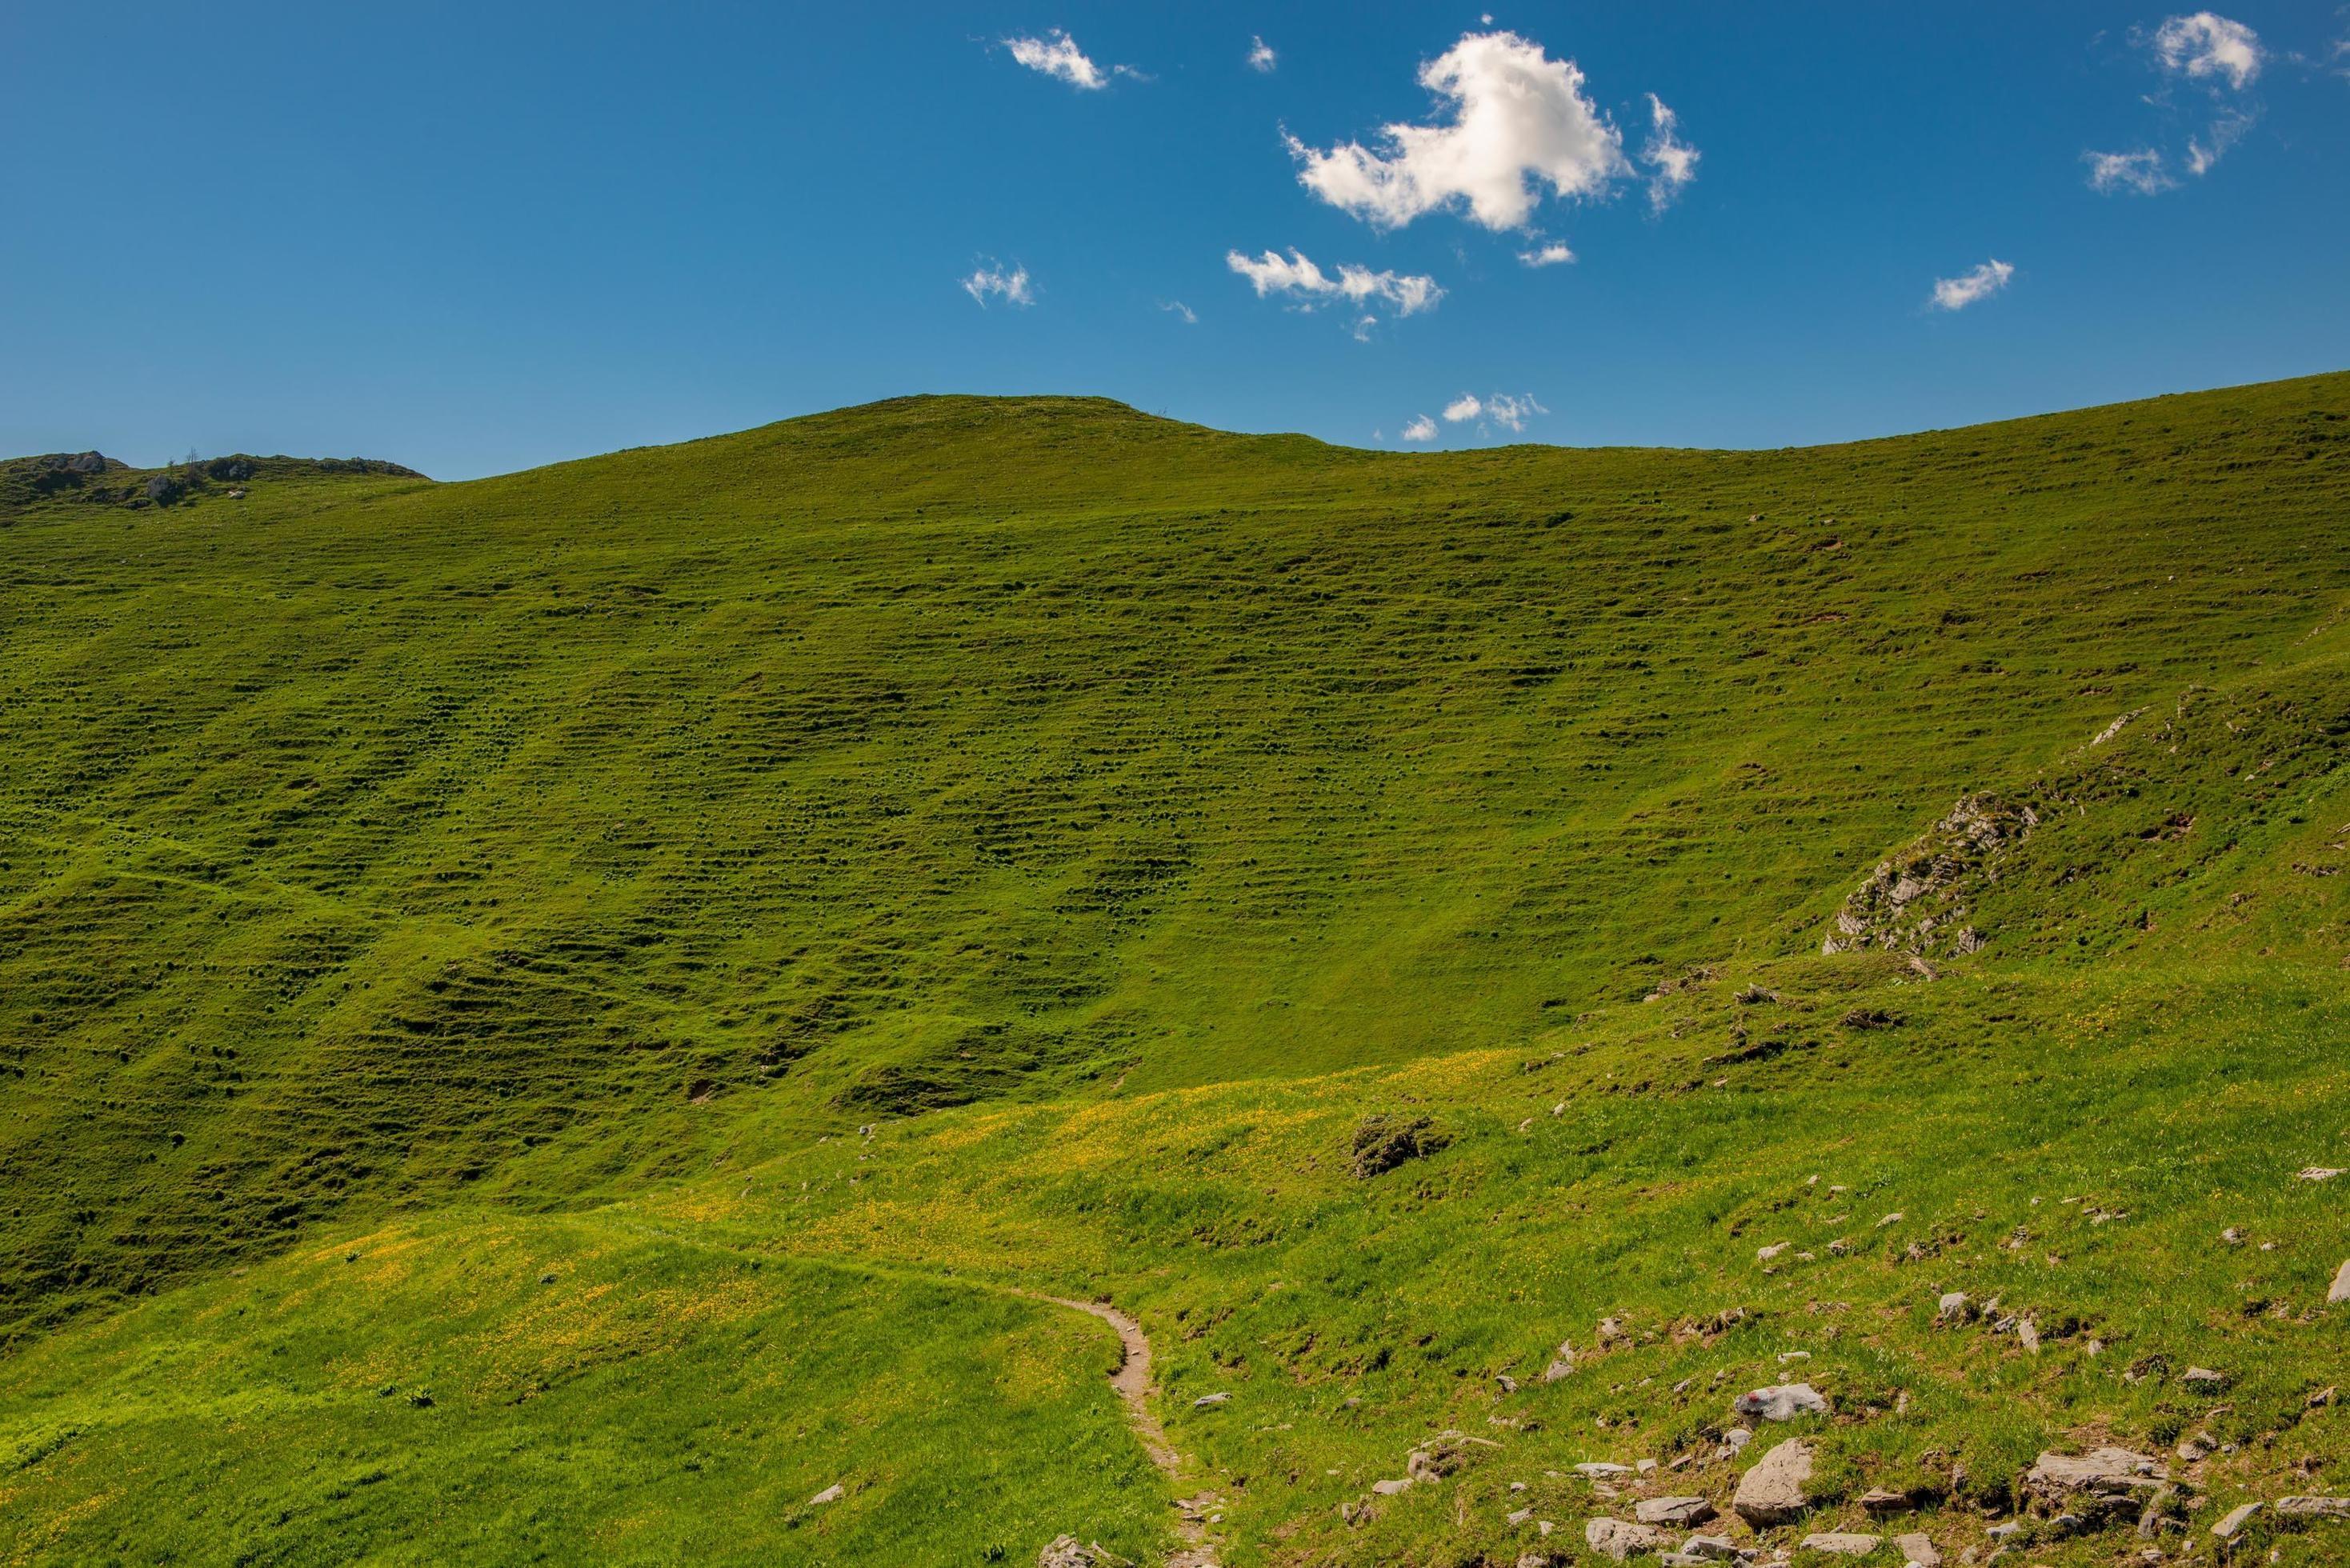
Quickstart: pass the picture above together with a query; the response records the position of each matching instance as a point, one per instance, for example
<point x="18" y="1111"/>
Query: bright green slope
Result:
<point x="538" y="876"/>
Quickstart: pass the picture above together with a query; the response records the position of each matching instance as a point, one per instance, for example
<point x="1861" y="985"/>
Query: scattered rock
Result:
<point x="1764" y="1254"/>
<point x="1783" y="1402"/>
<point x="1442" y="1454"/>
<point x="1712" y="1548"/>
<point x="1600" y="1469"/>
<point x="1616" y="1539"/>
<point x="1204" y="1400"/>
<point x="1837" y="1544"/>
<point x="1678" y="1512"/>
<point x="2028" y="1332"/>
<point x="1878" y="1499"/>
<point x="1918" y="1550"/>
<point x="1562" y="1362"/>
<point x="2203" y="1377"/>
<point x="1771" y="1492"/>
<point x="2313" y="1508"/>
<point x="832" y="1493"/>
<point x="2339" y="1291"/>
<point x="2104" y="1481"/>
<point x="2196" y="1448"/>
<point x="1384" y="1142"/>
<point x="2233" y="1235"/>
<point x="1915" y="900"/>
<point x="1735" y="1439"/>
<point x="2320" y="1172"/>
<point x="1389" y="1487"/>
<point x="1954" y="1307"/>
<point x="2232" y="1526"/>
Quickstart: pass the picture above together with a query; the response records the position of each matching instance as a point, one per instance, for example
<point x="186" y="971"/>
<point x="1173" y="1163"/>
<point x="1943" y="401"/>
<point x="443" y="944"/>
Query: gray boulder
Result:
<point x="1619" y="1540"/>
<point x="1678" y="1512"/>
<point x="1773" y="1492"/>
<point x="1783" y="1402"/>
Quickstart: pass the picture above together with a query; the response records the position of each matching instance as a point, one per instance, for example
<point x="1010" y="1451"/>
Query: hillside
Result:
<point x="655" y="954"/>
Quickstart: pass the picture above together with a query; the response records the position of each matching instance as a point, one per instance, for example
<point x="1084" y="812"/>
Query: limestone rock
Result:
<point x="2231" y="1527"/>
<point x="2313" y="1508"/>
<point x="1712" y="1548"/>
<point x="1783" y="1402"/>
<point x="1600" y="1469"/>
<point x="1773" y="1492"/>
<point x="1837" y="1543"/>
<point x="2339" y="1291"/>
<point x="1619" y="1540"/>
<point x="2104" y="1481"/>
<point x="1954" y="1307"/>
<point x="832" y="1493"/>
<point x="1918" y="1550"/>
<point x="1389" y="1487"/>
<point x="1678" y="1512"/>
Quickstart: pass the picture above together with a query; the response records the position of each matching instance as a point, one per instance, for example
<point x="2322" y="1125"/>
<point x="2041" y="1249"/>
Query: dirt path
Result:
<point x="1132" y="1381"/>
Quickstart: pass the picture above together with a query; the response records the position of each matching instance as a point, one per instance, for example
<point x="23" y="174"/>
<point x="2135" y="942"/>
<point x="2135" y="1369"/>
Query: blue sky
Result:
<point x="479" y="237"/>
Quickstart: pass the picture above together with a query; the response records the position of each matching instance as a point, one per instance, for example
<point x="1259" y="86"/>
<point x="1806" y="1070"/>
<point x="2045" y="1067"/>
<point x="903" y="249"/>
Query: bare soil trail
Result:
<point x="1132" y="1381"/>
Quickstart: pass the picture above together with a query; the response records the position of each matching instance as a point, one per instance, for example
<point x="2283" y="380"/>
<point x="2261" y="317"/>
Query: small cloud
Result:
<point x="1512" y="413"/>
<point x="1673" y="160"/>
<point x="1556" y="254"/>
<point x="2141" y="171"/>
<point x="1012" y="287"/>
<point x="2205" y="45"/>
<point x="1177" y="308"/>
<point x="1057" y="55"/>
<point x="1420" y="429"/>
<point x="1464" y="407"/>
<point x="1975" y="284"/>
<point x="2226" y="131"/>
<point x="1299" y="278"/>
<point x="1260" y="57"/>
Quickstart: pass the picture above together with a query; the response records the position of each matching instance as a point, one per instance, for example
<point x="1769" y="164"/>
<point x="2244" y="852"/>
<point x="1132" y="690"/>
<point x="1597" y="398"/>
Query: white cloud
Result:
<point x="1464" y="407"/>
<point x="1057" y="55"/>
<point x="1012" y="287"/>
<point x="1512" y="413"/>
<point x="1673" y="160"/>
<point x="1260" y="57"/>
<point x="1514" y="112"/>
<point x="1975" y="284"/>
<point x="1421" y="429"/>
<point x="2205" y="45"/>
<point x="1551" y="254"/>
<point x="2226" y="131"/>
<point x="1296" y="277"/>
<point x="2141" y="171"/>
<point x="1177" y="308"/>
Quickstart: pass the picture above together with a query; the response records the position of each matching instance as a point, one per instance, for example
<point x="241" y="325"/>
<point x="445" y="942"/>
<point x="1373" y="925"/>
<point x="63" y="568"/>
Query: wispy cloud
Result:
<point x="1556" y="254"/>
<point x="2141" y="171"/>
<point x="1296" y="278"/>
<point x="1672" y="162"/>
<point x="1517" y="119"/>
<point x="1464" y="407"/>
<point x="1260" y="57"/>
<point x="994" y="281"/>
<point x="2205" y="45"/>
<point x="1178" y="307"/>
<point x="1975" y="284"/>
<point x="1512" y="413"/>
<point x="1420" y="429"/>
<point x="1057" y="55"/>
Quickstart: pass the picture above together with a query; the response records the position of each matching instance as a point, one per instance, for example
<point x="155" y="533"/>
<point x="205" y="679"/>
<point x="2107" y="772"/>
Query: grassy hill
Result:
<point x="451" y="937"/>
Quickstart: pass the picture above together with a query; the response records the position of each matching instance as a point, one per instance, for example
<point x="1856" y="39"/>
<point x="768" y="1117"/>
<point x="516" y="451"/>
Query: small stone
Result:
<point x="1710" y="1549"/>
<point x="1764" y="1254"/>
<point x="1600" y="1469"/>
<point x="1389" y="1487"/>
<point x="1878" y="1499"/>
<point x="1646" y="1466"/>
<point x="1518" y="1517"/>
<point x="2229" y="1527"/>
<point x="1736" y="1438"/>
<point x="1562" y="1362"/>
<point x="1783" y="1402"/>
<point x="1893" y="1219"/>
<point x="1507" y="1384"/>
<point x="1771" y="1492"/>
<point x="2233" y="1235"/>
<point x="2028" y="1332"/>
<point x="1678" y="1512"/>
<point x="1616" y="1539"/>
<point x="2001" y="1534"/>
<point x="1953" y="1307"/>
<point x="2320" y="1173"/>
<point x="2203" y="1377"/>
<point x="2195" y="1448"/>
<point x="1837" y="1543"/>
<point x="2339" y="1291"/>
<point x="1918" y="1550"/>
<point x="832" y="1493"/>
<point x="2323" y="1397"/>
<point x="1066" y="1551"/>
<point x="1204" y="1400"/>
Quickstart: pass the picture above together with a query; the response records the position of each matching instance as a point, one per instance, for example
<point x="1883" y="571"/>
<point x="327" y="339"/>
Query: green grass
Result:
<point x="550" y="869"/>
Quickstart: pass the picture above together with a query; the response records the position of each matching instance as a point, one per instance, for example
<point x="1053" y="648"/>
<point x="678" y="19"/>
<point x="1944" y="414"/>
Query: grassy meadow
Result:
<point x="556" y="1018"/>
